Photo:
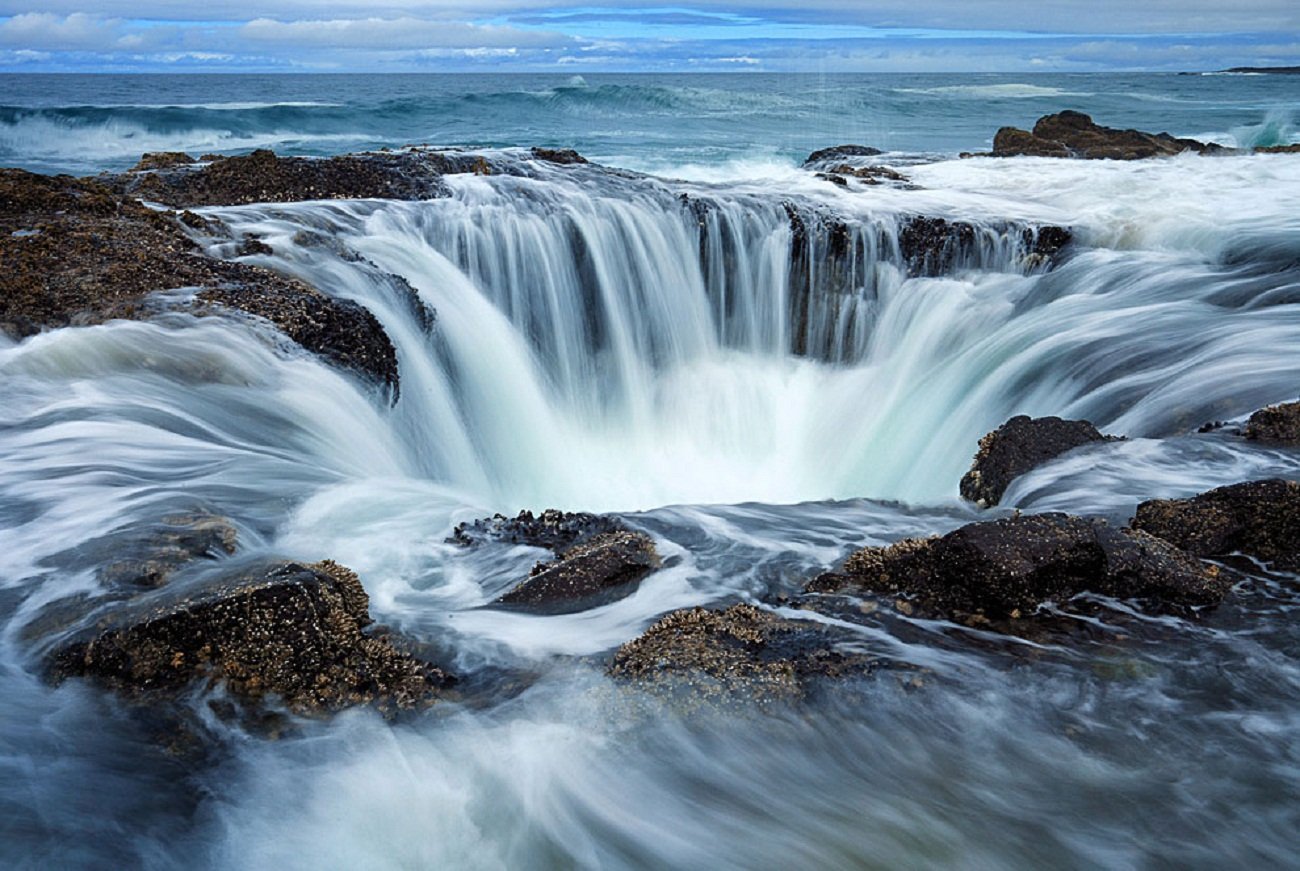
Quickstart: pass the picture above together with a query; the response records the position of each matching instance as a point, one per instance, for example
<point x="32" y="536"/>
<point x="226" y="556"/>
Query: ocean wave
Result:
<point x="1007" y="91"/>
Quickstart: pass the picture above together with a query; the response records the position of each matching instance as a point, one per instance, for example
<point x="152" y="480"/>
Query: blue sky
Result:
<point x="775" y="36"/>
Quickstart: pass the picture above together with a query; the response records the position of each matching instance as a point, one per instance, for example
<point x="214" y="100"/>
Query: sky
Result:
<point x="705" y="36"/>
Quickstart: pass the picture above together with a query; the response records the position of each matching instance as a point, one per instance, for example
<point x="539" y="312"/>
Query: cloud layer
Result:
<point x="817" y="35"/>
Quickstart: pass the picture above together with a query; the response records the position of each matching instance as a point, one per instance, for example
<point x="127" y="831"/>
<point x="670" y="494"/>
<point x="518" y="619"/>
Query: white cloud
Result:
<point x="391" y="33"/>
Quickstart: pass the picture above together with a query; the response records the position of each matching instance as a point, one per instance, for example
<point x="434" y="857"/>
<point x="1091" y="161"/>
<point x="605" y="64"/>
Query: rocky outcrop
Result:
<point x="1073" y="134"/>
<point x="287" y="631"/>
<point x="1258" y="518"/>
<point x="1278" y="149"/>
<point x="743" y="652"/>
<point x="1016" y="447"/>
<point x="552" y="529"/>
<point x="838" y="153"/>
<point x="840" y="174"/>
<point x="603" y="569"/>
<point x="265" y="177"/>
<point x="1008" y="568"/>
<point x="562" y="156"/>
<point x="76" y="253"/>
<point x="1277" y="424"/>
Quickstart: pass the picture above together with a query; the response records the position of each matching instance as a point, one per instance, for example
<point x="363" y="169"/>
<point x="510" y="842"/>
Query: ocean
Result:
<point x="621" y="340"/>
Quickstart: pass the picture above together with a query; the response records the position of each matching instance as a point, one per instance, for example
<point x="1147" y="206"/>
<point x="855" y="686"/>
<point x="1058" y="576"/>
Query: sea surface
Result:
<point x="604" y="342"/>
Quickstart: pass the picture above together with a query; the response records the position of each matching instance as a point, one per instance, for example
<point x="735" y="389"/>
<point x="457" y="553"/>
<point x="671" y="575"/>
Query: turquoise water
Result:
<point x="84" y="123"/>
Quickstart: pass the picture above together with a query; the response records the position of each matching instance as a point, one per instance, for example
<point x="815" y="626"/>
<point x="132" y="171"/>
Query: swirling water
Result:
<point x="604" y="343"/>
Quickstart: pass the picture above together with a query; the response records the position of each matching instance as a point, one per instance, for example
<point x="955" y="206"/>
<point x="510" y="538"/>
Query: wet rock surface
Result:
<point x="1277" y="424"/>
<point x="1257" y="518"/>
<point x="77" y="253"/>
<point x="744" y="651"/>
<point x="601" y="570"/>
<point x="837" y="153"/>
<point x="552" y="529"/>
<point x="1016" y="447"/>
<point x="1009" y="567"/>
<point x="562" y="156"/>
<point x="158" y="550"/>
<point x="288" y="631"/>
<point x="1075" y="135"/>
<point x="265" y="177"/>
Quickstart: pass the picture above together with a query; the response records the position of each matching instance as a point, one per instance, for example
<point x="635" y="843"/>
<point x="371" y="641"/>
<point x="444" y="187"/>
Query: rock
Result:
<point x="162" y="160"/>
<point x="931" y="246"/>
<point x="563" y="156"/>
<point x="1016" y="447"/>
<point x="287" y="630"/>
<point x="1073" y="134"/>
<point x="76" y="253"/>
<point x="603" y="569"/>
<point x="1258" y="518"/>
<point x="841" y="151"/>
<point x="870" y="175"/>
<point x="553" y="530"/>
<point x="1278" y="149"/>
<point x="1009" y="567"/>
<point x="741" y="652"/>
<point x="159" y="549"/>
<point x="265" y="177"/>
<point x="1277" y="424"/>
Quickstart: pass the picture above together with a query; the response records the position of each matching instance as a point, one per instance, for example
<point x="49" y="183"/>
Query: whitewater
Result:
<point x="732" y="355"/>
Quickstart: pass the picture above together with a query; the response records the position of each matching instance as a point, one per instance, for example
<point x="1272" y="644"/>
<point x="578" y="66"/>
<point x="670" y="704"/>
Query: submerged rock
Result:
<point x="603" y="569"/>
<point x="158" y="550"/>
<point x="1016" y="447"/>
<point x="76" y="253"/>
<point x="552" y="529"/>
<point x="1074" y="134"/>
<point x="1009" y="567"/>
<point x="287" y="630"/>
<point x="1277" y="424"/>
<point x="741" y="652"/>
<point x="1258" y="518"/>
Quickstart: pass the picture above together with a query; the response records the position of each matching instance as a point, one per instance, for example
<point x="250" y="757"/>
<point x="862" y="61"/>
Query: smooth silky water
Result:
<point x="625" y="344"/>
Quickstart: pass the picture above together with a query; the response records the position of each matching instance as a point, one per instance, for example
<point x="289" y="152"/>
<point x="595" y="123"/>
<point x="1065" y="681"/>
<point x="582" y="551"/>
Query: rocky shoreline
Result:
<point x="185" y="613"/>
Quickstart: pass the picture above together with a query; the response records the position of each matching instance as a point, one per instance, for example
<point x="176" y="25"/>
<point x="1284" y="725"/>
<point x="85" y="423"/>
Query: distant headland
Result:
<point x="1258" y="71"/>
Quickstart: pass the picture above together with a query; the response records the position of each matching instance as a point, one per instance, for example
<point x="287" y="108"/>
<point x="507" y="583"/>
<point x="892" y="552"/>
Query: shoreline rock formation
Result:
<point x="1075" y="135"/>
<point x="1016" y="447"/>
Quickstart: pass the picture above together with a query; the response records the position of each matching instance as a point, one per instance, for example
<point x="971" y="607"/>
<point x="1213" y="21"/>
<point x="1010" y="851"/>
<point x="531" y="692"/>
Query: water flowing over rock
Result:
<point x="818" y="159"/>
<point x="1009" y="567"/>
<point x="291" y="631"/>
<point x="552" y="529"/>
<point x="1074" y="134"/>
<point x="743" y="652"/>
<point x="1258" y="518"/>
<point x="1016" y="447"/>
<point x="1277" y="424"/>
<point x="601" y="570"/>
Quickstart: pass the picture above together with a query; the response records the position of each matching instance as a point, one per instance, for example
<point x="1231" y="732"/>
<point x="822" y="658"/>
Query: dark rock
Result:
<point x="603" y="569"/>
<point x="1046" y="241"/>
<point x="1277" y="424"/>
<point x="289" y="630"/>
<point x="742" y="652"/>
<point x="931" y="246"/>
<point x="553" y="530"/>
<point x="1008" y="567"/>
<point x="158" y="550"/>
<point x="870" y="175"/>
<point x="841" y="151"/>
<point x="1016" y="447"/>
<point x="1073" y="134"/>
<point x="563" y="156"/>
<point x="1278" y="149"/>
<point x="265" y="177"/>
<point x="75" y="253"/>
<point x="1258" y="518"/>
<point x="162" y="160"/>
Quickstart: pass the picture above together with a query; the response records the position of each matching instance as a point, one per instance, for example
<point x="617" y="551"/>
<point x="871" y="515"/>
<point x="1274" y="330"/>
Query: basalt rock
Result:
<point x="838" y="152"/>
<point x="265" y="177"/>
<point x="1016" y="447"/>
<point x="603" y="569"/>
<point x="554" y="530"/>
<point x="1009" y="567"/>
<point x="1277" y="424"/>
<point x="563" y="156"/>
<point x="1258" y="518"/>
<point x="742" y="652"/>
<point x="288" y="631"/>
<point x="76" y="252"/>
<point x="1073" y="134"/>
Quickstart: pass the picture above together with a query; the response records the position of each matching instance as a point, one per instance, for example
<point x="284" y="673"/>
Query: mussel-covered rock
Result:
<point x="1277" y="424"/>
<point x="1016" y="447"/>
<point x="552" y="529"/>
<point x="1074" y="134"/>
<point x="1259" y="518"/>
<point x="741" y="652"/>
<point x="287" y="630"/>
<point x="602" y="569"/>
<point x="1009" y="567"/>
